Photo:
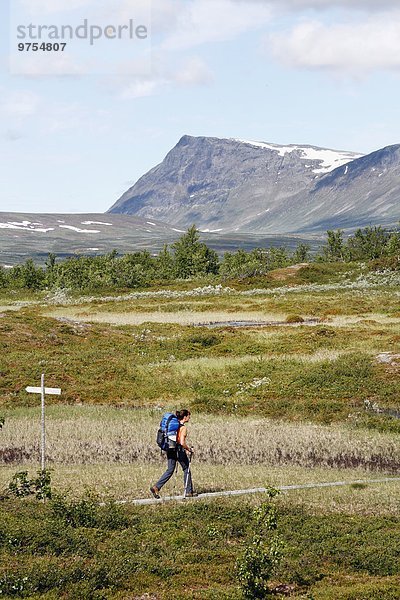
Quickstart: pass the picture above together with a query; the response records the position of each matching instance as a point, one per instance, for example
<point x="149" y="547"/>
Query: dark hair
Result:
<point x="181" y="414"/>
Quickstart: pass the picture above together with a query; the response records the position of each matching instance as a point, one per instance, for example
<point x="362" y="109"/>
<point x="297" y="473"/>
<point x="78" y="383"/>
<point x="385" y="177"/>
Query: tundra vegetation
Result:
<point x="310" y="396"/>
<point x="188" y="257"/>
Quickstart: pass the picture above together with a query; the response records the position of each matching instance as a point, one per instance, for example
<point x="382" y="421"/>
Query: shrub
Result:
<point x="264" y="553"/>
<point x="87" y="512"/>
<point x="21" y="486"/>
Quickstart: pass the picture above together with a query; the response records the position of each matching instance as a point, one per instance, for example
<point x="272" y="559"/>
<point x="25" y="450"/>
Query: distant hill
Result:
<point x="230" y="185"/>
<point x="24" y="236"/>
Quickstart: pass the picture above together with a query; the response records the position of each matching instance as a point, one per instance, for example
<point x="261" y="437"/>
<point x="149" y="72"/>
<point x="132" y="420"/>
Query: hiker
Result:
<point x="178" y="451"/>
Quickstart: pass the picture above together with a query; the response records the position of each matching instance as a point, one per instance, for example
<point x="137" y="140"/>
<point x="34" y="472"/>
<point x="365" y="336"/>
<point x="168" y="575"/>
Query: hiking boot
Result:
<point x="192" y="495"/>
<point x="154" y="490"/>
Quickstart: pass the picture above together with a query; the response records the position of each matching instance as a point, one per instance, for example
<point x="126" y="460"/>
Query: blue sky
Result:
<point x="76" y="132"/>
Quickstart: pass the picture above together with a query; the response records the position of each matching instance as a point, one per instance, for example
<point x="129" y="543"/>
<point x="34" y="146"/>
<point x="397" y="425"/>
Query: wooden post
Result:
<point x="43" y="444"/>
<point x="42" y="390"/>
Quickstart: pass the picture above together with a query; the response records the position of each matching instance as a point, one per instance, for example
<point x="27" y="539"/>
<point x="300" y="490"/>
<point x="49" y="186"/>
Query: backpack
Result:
<point x="169" y="427"/>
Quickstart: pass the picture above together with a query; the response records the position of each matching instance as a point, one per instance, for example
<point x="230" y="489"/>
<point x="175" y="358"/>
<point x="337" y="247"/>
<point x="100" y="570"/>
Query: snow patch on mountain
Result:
<point x="94" y="223"/>
<point x="329" y="159"/>
<point x="25" y="226"/>
<point x="210" y="230"/>
<point x="21" y="224"/>
<point x="78" y="230"/>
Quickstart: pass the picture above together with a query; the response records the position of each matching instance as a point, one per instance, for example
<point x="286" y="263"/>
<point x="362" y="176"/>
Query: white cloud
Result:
<point x="142" y="89"/>
<point x="56" y="64"/>
<point x="19" y="104"/>
<point x="63" y="117"/>
<point x="206" y="21"/>
<point x="353" y="48"/>
<point x="12" y="135"/>
<point x="193" y="72"/>
<point x="139" y="10"/>
<point x="25" y="114"/>
<point x="187" y="23"/>
<point x="52" y="6"/>
<point x="165" y="15"/>
<point x="366" y="5"/>
<point x="74" y="117"/>
<point x="178" y="25"/>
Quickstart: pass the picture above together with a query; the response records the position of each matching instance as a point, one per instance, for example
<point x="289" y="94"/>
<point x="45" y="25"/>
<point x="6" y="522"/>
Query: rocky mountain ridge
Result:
<point x="225" y="185"/>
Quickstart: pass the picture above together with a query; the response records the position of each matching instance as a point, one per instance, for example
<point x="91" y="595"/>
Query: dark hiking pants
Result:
<point x="177" y="455"/>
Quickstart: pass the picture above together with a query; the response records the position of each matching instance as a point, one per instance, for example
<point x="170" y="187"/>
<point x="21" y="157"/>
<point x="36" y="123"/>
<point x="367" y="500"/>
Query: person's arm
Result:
<point x="182" y="438"/>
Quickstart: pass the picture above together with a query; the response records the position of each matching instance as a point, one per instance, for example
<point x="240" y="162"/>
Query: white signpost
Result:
<point x="43" y="391"/>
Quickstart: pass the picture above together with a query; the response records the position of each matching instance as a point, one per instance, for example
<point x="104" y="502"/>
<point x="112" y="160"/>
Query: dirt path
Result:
<point x="284" y="488"/>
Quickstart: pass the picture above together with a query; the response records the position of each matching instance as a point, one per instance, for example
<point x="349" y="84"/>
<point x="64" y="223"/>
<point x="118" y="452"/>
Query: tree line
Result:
<point x="188" y="257"/>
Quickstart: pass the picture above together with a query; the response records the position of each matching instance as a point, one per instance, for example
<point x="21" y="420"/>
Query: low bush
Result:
<point x="87" y="512"/>
<point x="186" y="550"/>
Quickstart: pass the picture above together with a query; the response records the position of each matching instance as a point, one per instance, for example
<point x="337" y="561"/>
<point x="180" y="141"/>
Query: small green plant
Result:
<point x="21" y="486"/>
<point x="263" y="554"/>
<point x="80" y="513"/>
<point x="42" y="485"/>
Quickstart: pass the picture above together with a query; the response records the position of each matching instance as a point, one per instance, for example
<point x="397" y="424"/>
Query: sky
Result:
<point x="79" y="127"/>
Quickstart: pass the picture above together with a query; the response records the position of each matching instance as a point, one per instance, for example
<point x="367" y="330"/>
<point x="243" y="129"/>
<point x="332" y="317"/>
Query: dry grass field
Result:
<point x="112" y="451"/>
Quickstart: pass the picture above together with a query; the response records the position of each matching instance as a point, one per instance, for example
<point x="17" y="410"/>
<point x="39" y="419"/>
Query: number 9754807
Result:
<point x="43" y="47"/>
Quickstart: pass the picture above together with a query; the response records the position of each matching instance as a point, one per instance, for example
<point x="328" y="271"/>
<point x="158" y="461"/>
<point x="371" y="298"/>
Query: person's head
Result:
<point x="183" y="415"/>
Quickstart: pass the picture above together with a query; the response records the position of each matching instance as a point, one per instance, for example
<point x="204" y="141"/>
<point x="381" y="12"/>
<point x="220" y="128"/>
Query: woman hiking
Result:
<point x="177" y="452"/>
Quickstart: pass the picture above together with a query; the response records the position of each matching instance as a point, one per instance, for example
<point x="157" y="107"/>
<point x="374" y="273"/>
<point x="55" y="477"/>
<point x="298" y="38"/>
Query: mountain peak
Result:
<point x="328" y="159"/>
<point x="253" y="186"/>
